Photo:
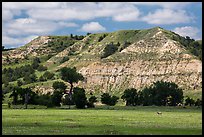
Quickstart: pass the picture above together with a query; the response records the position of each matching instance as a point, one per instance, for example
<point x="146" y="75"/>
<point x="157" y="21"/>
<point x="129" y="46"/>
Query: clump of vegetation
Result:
<point x="109" y="100"/>
<point x="91" y="101"/>
<point x="79" y="97"/>
<point x="124" y="45"/>
<point x="102" y="37"/>
<point x="131" y="97"/>
<point x="110" y="49"/>
<point x="160" y="94"/>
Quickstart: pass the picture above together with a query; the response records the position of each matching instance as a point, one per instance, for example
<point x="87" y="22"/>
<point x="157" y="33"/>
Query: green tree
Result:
<point x="58" y="85"/>
<point x="109" y="50"/>
<point x="36" y="63"/>
<point x="162" y="93"/>
<point x="91" y="101"/>
<point x="14" y="95"/>
<point x="56" y="97"/>
<point x="108" y="100"/>
<point x="189" y="101"/>
<point x="59" y="89"/>
<point x="48" y="75"/>
<point x="130" y="96"/>
<point x="79" y="97"/>
<point x="71" y="76"/>
<point x="30" y="78"/>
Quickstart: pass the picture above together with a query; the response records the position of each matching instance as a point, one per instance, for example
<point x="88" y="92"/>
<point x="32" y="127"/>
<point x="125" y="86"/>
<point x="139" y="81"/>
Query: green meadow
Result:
<point x="103" y="120"/>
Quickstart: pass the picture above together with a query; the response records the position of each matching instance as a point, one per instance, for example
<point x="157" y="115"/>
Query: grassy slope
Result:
<point x="103" y="121"/>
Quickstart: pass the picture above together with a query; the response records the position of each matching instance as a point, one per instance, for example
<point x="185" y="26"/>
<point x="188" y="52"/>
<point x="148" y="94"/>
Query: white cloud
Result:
<point x="167" y="16"/>
<point x="131" y="16"/>
<point x="68" y="24"/>
<point x="166" y="5"/>
<point x="25" y="26"/>
<point x="45" y="18"/>
<point x="16" y="42"/>
<point x="190" y="31"/>
<point x="92" y="27"/>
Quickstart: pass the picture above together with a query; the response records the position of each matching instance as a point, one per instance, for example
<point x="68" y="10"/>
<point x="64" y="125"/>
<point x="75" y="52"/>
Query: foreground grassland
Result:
<point x="103" y="120"/>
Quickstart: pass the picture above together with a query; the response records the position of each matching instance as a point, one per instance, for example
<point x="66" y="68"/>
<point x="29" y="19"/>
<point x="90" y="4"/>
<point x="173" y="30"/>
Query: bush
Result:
<point x="130" y="96"/>
<point x="108" y="100"/>
<point x="79" y="97"/>
<point x="189" y="101"/>
<point x="109" y="50"/>
<point x="92" y="100"/>
<point x="48" y="75"/>
<point x="59" y="86"/>
<point x="56" y="97"/>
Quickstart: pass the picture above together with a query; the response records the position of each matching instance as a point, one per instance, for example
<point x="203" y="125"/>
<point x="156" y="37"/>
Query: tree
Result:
<point x="130" y="96"/>
<point x="198" y="102"/>
<point x="108" y="100"/>
<point x="14" y="94"/>
<point x="59" y="86"/>
<point x="30" y="78"/>
<point x="109" y="50"/>
<point x="27" y="92"/>
<point x="2" y="97"/>
<point x="79" y="97"/>
<point x="36" y="62"/>
<point x="114" y="100"/>
<point x="71" y="35"/>
<point x="92" y="100"/>
<point x="189" y="101"/>
<point x="162" y="93"/>
<point x="71" y="76"/>
<point x="48" y="75"/>
<point x="56" y="97"/>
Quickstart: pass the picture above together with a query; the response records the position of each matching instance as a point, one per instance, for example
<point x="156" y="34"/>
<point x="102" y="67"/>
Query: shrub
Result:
<point x="109" y="50"/>
<point x="108" y="100"/>
<point x="130" y="96"/>
<point x="79" y="97"/>
<point x="90" y="103"/>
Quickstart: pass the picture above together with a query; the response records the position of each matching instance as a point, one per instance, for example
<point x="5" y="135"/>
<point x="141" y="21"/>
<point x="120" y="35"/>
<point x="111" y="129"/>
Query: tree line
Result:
<point x="160" y="93"/>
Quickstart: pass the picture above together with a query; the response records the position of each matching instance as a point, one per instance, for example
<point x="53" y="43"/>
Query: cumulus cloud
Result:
<point x="25" y="26"/>
<point x="190" y="31"/>
<point x="167" y="16"/>
<point x="16" y="42"/>
<point x="68" y="24"/>
<point x="92" y="27"/>
<point x="43" y="18"/>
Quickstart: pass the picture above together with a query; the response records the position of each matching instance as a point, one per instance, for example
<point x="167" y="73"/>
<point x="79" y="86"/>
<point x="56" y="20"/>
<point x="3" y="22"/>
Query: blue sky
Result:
<point x="24" y="21"/>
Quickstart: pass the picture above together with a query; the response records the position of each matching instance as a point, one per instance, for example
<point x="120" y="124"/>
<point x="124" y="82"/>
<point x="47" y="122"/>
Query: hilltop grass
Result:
<point x="103" y="120"/>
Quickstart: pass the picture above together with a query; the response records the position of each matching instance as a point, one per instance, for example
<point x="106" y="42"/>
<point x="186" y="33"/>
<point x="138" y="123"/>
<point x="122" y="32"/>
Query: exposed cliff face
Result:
<point x="167" y="61"/>
<point x="138" y="74"/>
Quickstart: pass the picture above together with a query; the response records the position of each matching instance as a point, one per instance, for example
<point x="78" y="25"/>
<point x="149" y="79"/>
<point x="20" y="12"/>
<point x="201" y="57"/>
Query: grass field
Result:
<point x="103" y="120"/>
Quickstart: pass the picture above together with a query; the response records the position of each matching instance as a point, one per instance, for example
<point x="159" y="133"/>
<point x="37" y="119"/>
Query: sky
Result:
<point x="24" y="21"/>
